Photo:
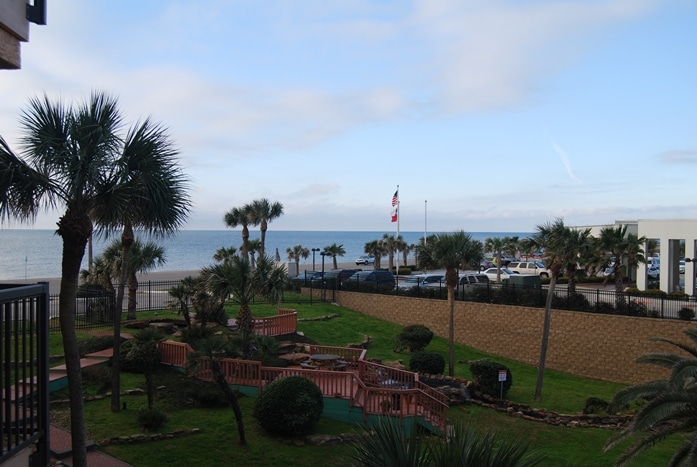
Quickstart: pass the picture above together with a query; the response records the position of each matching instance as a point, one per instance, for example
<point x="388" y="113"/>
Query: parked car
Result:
<point x="307" y="278"/>
<point x="419" y="280"/>
<point x="382" y="279"/>
<point x="365" y="259"/>
<point x="653" y="272"/>
<point x="681" y="266"/>
<point x="465" y="278"/>
<point x="530" y="267"/>
<point x="486" y="264"/>
<point x="491" y="273"/>
<point x="337" y="276"/>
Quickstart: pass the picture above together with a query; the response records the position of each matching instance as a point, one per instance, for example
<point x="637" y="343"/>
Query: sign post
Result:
<point x="502" y="378"/>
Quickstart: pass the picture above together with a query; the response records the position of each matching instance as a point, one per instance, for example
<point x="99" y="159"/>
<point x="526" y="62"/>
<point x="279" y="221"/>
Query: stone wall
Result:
<point x="598" y="346"/>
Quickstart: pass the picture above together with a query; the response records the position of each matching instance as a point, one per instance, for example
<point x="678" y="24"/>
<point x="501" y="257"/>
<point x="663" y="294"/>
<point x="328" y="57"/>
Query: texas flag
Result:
<point x="394" y="216"/>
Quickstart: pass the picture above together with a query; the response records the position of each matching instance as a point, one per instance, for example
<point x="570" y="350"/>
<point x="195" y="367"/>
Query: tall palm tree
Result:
<point x="295" y="253"/>
<point x="389" y="245"/>
<point x="671" y="409"/>
<point x="335" y="250"/>
<point x="74" y="159"/>
<point x="144" y="257"/>
<point x="376" y="249"/>
<point x="450" y="252"/>
<point x="497" y="246"/>
<point x="403" y="247"/>
<point x="552" y="239"/>
<point x="254" y="246"/>
<point x="579" y="245"/>
<point x="626" y="249"/>
<point x="242" y="217"/>
<point x="145" y="345"/>
<point x="262" y="212"/>
<point x="213" y="349"/>
<point x="238" y="278"/>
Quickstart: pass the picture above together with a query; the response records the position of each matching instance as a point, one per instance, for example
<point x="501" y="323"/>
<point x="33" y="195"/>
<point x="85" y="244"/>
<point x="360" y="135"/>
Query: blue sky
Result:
<point x="490" y="115"/>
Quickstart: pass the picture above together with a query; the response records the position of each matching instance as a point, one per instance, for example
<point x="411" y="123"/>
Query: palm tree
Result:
<point x="238" y="278"/>
<point x="241" y="216"/>
<point x="376" y="249"/>
<point x="498" y="245"/>
<point x="625" y="248"/>
<point x="450" y="252"/>
<point x="254" y="246"/>
<point x="224" y="254"/>
<point x="404" y="248"/>
<point x="671" y="408"/>
<point x="145" y="346"/>
<point x="212" y="349"/>
<point x="262" y="212"/>
<point x="295" y="253"/>
<point x="101" y="274"/>
<point x="74" y="158"/>
<point x="182" y="295"/>
<point x="579" y="245"/>
<point x="550" y="238"/>
<point x="335" y="250"/>
<point x="389" y="245"/>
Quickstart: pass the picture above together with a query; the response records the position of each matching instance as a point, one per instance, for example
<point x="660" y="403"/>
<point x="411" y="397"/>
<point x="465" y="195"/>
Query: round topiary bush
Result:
<point x="289" y="406"/>
<point x="427" y="362"/>
<point x="486" y="373"/>
<point x="413" y="338"/>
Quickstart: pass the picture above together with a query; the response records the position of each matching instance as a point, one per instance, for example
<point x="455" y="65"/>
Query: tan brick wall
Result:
<point x="598" y="346"/>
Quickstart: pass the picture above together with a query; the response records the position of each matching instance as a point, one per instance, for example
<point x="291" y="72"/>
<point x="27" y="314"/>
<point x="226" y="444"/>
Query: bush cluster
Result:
<point x="413" y="338"/>
<point x="151" y="419"/>
<point x="427" y="362"/>
<point x="486" y="373"/>
<point x="289" y="406"/>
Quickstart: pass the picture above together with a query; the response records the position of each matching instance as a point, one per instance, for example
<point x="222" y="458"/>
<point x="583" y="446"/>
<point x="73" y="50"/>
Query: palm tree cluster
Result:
<point x="257" y="213"/>
<point x="389" y="246"/>
<point x="77" y="159"/>
<point x="670" y="407"/>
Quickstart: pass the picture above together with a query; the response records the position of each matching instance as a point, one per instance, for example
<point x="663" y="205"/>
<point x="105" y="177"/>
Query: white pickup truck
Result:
<point x="530" y="267"/>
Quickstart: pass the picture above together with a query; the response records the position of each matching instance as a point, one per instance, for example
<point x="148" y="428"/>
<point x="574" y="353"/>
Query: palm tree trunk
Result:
<point x="545" y="338"/>
<point x="74" y="235"/>
<point x="245" y="321"/>
<point x="231" y="397"/>
<point x="262" y="229"/>
<point x="127" y="239"/>
<point x="451" y="332"/>
<point x="132" y="291"/>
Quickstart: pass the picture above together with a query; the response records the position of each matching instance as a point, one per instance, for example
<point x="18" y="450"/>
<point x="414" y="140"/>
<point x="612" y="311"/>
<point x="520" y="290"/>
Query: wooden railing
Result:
<point x="285" y="322"/>
<point x="377" y="389"/>
<point x="349" y="355"/>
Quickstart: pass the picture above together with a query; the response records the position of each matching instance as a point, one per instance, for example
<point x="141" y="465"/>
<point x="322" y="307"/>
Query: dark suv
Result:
<point x="335" y="277"/>
<point x="381" y="279"/>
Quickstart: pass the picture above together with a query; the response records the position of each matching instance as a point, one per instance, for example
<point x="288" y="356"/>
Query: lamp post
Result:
<point x="324" y="254"/>
<point x="313" y="257"/>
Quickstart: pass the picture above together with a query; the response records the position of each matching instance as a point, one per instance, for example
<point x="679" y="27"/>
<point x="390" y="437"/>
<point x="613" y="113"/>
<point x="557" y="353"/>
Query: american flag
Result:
<point x="395" y="198"/>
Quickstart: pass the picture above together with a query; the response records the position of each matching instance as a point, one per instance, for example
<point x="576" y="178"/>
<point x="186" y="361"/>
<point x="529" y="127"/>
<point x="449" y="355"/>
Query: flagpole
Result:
<point x="425" y="219"/>
<point x="398" y="216"/>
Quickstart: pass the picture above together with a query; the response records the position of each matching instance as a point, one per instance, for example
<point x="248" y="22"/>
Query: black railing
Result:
<point x="24" y="420"/>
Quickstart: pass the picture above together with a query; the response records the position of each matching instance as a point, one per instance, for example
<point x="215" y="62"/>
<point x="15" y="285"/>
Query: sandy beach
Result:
<point x="54" y="282"/>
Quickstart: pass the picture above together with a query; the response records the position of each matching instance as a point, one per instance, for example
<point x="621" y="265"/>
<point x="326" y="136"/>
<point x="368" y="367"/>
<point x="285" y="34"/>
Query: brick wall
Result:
<point x="598" y="346"/>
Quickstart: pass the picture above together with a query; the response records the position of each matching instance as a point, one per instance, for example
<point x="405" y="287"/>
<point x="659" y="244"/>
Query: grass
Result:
<point x="562" y="393"/>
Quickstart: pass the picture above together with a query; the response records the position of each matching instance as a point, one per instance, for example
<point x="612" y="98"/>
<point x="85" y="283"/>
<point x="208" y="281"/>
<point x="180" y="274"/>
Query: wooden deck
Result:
<point x="371" y="388"/>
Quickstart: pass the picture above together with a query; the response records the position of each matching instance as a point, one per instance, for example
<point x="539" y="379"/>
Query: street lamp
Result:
<point x="324" y="254"/>
<point x="313" y="257"/>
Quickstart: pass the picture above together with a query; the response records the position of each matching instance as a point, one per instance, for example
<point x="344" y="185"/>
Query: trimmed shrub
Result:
<point x="595" y="405"/>
<point x="289" y="406"/>
<point x="209" y="397"/>
<point x="129" y="362"/>
<point x="95" y="344"/>
<point x="427" y="362"/>
<point x="486" y="374"/>
<point x="413" y="338"/>
<point x="151" y="419"/>
<point x="686" y="314"/>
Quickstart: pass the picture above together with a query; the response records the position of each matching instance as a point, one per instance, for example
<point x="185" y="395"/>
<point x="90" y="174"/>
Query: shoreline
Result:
<point x="54" y="282"/>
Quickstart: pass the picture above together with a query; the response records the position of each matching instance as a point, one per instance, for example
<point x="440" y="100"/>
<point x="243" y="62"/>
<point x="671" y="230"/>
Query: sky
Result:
<point x="489" y="115"/>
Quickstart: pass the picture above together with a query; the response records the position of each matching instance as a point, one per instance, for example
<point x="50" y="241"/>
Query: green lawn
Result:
<point x="218" y="441"/>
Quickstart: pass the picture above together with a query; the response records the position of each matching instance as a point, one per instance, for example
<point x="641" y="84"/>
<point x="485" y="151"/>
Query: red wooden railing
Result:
<point x="377" y="389"/>
<point x="285" y="322"/>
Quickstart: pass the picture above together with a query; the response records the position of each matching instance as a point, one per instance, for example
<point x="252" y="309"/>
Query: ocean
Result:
<point x="30" y="253"/>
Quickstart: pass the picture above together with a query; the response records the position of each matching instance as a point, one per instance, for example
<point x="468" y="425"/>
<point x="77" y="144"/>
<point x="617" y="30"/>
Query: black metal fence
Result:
<point x="585" y="299"/>
<point x="24" y="421"/>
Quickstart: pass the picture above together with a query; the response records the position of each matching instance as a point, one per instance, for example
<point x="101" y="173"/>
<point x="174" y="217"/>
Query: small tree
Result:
<point x="145" y="347"/>
<point x="413" y="338"/>
<point x="289" y="406"/>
